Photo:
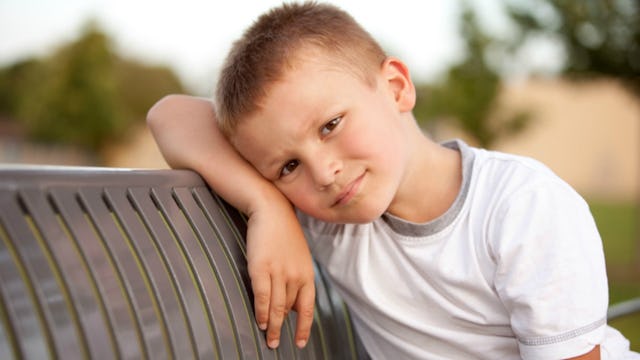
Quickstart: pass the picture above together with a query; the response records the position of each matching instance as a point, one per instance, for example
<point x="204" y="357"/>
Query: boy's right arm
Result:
<point x="279" y="261"/>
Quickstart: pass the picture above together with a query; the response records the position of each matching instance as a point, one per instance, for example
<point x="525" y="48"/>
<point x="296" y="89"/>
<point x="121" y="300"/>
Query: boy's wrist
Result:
<point x="267" y="198"/>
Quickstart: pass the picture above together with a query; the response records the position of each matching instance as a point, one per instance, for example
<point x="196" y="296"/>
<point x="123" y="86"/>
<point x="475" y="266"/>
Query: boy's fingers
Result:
<point x="292" y="294"/>
<point x="277" y="311"/>
<point x="261" y="285"/>
<point x="304" y="307"/>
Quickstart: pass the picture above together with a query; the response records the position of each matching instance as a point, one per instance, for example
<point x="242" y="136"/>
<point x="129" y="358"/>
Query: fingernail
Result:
<point x="262" y="326"/>
<point x="301" y="343"/>
<point x="273" y="343"/>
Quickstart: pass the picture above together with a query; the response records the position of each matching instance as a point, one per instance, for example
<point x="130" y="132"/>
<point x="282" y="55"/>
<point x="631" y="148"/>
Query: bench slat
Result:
<point x="226" y="276"/>
<point x="200" y="267"/>
<point x="231" y="241"/>
<point x="122" y="329"/>
<point x="147" y="323"/>
<point x="21" y="309"/>
<point x="188" y="290"/>
<point x="180" y="343"/>
<point x="60" y="331"/>
<point x="87" y="311"/>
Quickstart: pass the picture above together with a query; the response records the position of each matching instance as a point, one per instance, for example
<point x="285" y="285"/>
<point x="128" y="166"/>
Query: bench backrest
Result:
<point x="106" y="263"/>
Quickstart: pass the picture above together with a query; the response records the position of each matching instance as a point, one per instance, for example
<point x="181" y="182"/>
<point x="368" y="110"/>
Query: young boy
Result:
<point x="440" y="251"/>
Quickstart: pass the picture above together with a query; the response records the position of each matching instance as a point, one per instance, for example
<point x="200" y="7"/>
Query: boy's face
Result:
<point x="333" y="145"/>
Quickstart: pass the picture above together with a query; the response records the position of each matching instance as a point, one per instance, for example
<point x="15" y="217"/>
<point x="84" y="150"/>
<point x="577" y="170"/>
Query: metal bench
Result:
<point x="105" y="263"/>
<point x="111" y="263"/>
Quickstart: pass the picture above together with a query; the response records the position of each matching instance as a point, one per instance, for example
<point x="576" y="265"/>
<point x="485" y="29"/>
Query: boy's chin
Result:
<point x="362" y="217"/>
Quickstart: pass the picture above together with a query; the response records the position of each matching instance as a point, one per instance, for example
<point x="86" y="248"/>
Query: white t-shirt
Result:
<point x="514" y="268"/>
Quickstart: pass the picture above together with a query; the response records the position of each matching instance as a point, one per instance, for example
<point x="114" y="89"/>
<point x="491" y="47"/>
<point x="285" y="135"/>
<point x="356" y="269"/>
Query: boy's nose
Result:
<point x="325" y="170"/>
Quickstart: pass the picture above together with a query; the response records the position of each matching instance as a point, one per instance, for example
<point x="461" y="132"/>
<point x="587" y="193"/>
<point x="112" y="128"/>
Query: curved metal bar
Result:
<point x="624" y="308"/>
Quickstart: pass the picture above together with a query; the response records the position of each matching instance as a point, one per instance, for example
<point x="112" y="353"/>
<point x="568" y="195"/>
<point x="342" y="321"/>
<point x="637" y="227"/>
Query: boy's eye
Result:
<point x="289" y="167"/>
<point x="330" y="126"/>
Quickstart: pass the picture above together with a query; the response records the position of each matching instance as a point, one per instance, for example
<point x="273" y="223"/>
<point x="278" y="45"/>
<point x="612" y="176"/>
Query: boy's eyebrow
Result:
<point x="277" y="160"/>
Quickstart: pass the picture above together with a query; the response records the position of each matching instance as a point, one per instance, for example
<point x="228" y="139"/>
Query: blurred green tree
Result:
<point x="84" y="94"/>
<point x="76" y="102"/>
<point x="468" y="93"/>
<point x="17" y="79"/>
<point x="139" y="86"/>
<point x="600" y="38"/>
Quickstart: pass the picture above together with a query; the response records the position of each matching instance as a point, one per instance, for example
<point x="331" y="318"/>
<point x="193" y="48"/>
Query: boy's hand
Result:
<point x="281" y="272"/>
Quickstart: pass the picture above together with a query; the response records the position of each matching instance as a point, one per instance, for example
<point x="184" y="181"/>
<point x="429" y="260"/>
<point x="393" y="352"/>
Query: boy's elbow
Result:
<point x="160" y="111"/>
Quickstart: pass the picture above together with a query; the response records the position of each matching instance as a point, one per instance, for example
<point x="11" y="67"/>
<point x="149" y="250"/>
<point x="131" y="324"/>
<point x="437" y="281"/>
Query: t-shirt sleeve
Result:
<point x="550" y="271"/>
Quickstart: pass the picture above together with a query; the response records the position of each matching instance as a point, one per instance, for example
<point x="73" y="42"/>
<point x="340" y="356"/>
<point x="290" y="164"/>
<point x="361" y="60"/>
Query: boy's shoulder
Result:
<point x="512" y="169"/>
<point x="497" y="181"/>
<point x="507" y="180"/>
<point x="515" y="162"/>
<point x="496" y="171"/>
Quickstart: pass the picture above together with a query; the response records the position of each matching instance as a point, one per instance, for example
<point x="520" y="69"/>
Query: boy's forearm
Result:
<point x="187" y="135"/>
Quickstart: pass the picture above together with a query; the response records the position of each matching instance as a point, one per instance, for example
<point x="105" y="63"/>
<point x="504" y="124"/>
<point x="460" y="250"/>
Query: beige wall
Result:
<point x="140" y="151"/>
<point x="588" y="133"/>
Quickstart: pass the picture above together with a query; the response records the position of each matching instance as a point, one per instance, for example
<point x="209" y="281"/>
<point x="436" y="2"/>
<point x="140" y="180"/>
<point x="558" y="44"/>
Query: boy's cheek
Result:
<point x="297" y="200"/>
<point x="290" y="192"/>
<point x="301" y="199"/>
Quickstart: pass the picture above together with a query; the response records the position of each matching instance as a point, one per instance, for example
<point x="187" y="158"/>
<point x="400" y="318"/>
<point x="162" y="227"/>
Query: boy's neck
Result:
<point x="432" y="182"/>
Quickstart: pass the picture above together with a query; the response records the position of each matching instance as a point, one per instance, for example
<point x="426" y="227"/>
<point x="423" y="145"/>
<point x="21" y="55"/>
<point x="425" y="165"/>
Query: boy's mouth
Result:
<point x="349" y="191"/>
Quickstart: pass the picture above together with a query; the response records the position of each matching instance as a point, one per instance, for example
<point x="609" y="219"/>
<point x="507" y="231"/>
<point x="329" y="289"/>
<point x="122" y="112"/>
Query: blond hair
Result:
<point x="267" y="48"/>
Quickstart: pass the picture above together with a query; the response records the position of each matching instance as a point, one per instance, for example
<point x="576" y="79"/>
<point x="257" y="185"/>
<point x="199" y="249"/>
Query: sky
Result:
<point x="193" y="36"/>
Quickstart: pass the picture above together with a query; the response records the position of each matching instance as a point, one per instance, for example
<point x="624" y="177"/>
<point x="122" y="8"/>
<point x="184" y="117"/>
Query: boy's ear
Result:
<point x="397" y="78"/>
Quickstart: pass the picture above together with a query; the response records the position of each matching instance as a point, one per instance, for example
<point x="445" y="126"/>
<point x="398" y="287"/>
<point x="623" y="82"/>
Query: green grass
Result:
<point x="619" y="227"/>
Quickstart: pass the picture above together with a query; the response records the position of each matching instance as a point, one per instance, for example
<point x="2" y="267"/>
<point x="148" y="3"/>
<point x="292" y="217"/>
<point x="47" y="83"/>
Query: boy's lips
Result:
<point x="349" y="191"/>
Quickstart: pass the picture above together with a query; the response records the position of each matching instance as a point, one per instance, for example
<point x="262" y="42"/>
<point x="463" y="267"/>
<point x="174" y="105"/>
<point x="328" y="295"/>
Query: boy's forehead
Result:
<point x="298" y="94"/>
<point x="314" y="57"/>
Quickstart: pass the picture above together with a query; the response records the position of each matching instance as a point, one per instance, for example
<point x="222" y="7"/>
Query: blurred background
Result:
<point x="557" y="80"/>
